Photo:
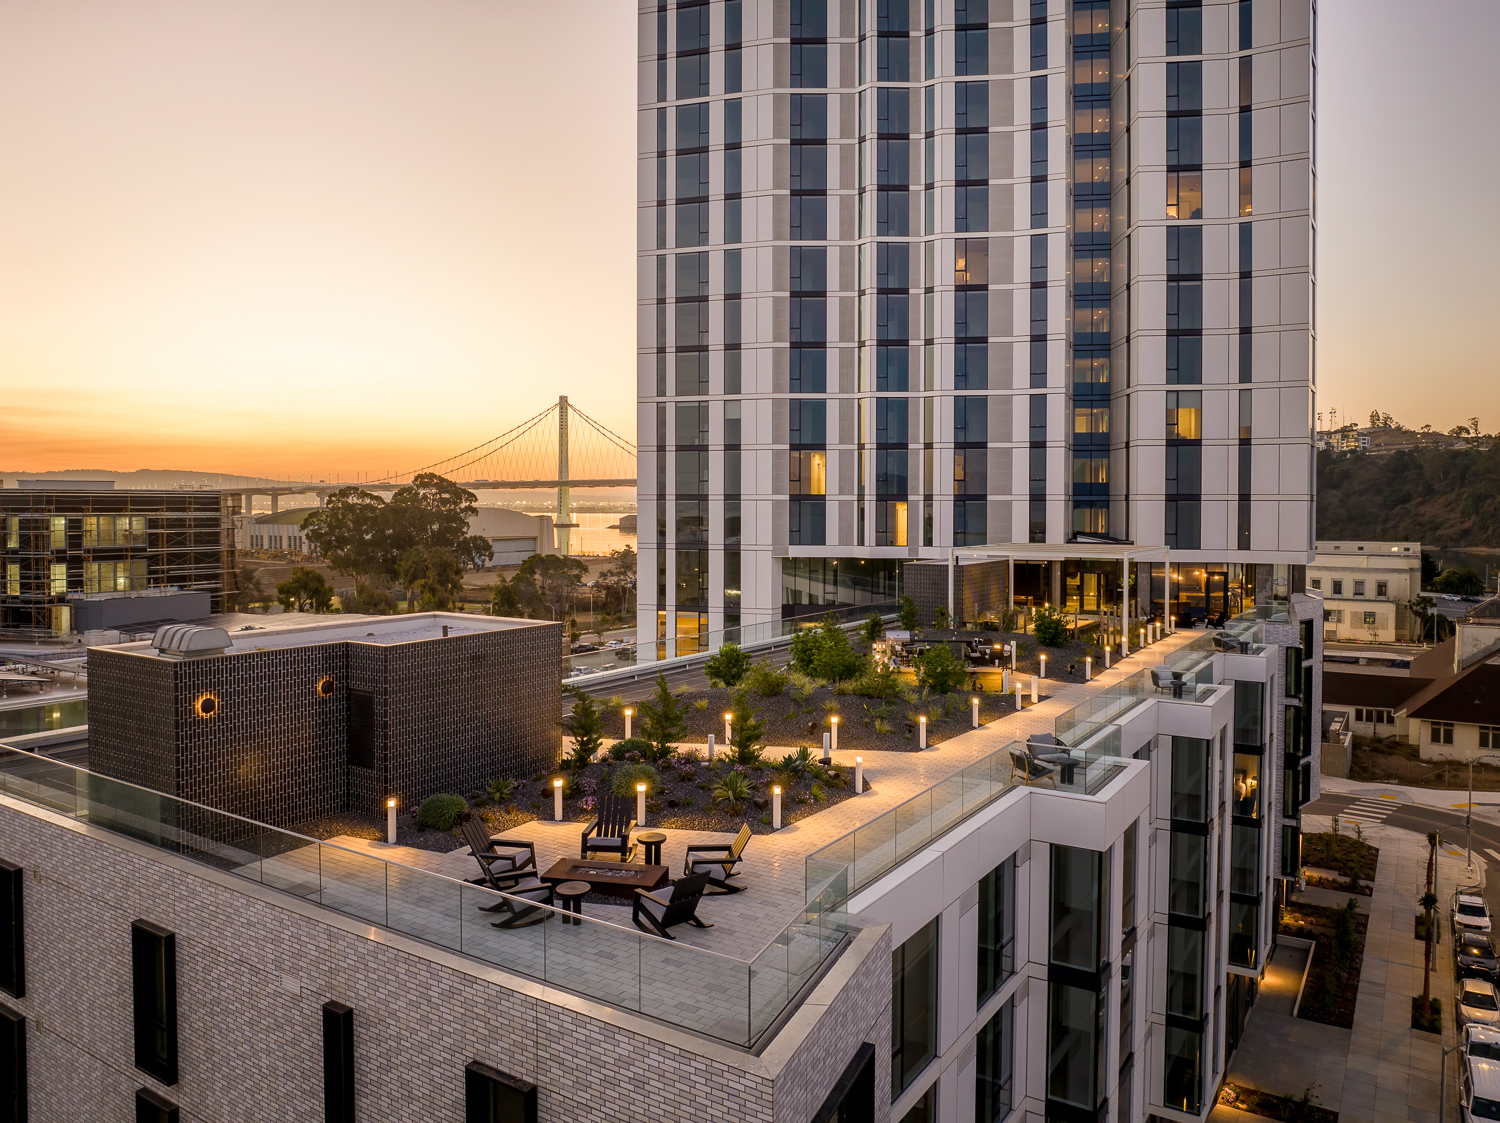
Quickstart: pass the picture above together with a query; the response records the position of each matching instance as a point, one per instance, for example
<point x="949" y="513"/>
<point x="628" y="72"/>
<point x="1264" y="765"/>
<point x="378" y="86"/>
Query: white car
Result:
<point x="1481" y="1043"/>
<point x="1478" y="1003"/>
<point x="1479" y="1097"/>
<point x="1470" y="911"/>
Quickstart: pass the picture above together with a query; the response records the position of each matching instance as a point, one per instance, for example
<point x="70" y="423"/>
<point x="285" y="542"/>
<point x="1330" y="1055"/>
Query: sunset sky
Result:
<point x="337" y="236"/>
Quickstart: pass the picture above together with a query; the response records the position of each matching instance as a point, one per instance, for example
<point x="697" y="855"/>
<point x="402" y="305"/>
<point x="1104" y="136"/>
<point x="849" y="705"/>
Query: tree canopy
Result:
<point x="362" y="535"/>
<point x="1437" y="496"/>
<point x="306" y="590"/>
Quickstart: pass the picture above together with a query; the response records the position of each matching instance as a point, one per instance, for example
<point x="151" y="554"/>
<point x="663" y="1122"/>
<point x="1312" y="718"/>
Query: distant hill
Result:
<point x="1439" y="497"/>
<point x="144" y="477"/>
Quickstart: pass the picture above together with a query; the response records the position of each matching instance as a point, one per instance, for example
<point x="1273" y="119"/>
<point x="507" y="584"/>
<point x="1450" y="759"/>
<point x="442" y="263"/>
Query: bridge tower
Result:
<point x="564" y="522"/>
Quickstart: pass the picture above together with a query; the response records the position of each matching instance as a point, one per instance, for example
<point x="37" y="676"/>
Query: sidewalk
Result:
<point x="1381" y="1071"/>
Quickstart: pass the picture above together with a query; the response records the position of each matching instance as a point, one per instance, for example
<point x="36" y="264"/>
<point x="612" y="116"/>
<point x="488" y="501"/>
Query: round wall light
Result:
<point x="326" y="686"/>
<point x="206" y="705"/>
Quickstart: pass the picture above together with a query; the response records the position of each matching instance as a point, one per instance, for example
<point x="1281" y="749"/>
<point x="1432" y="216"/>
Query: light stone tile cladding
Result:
<point x="253" y="969"/>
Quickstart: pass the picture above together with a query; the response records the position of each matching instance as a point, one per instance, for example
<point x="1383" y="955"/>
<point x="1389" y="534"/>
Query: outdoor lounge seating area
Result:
<point x="509" y="865"/>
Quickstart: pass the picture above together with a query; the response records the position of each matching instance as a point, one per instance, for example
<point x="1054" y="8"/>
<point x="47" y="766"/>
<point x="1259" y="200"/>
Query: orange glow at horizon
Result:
<point x="292" y="240"/>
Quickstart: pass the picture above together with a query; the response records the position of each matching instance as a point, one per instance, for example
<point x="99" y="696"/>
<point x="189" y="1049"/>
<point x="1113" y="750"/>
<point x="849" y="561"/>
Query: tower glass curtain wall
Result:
<point x="957" y="272"/>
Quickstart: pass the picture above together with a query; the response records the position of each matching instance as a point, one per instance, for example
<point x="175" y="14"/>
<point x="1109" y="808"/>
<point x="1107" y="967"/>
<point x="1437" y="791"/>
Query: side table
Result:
<point x="652" y="841"/>
<point x="572" y="894"/>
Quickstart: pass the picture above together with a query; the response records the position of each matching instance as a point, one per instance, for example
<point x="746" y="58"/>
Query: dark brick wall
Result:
<point x="133" y="719"/>
<point x="978" y="588"/>
<point x="449" y="714"/>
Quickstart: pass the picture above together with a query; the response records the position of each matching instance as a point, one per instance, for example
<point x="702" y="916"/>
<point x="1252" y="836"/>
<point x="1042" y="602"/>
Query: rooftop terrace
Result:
<point x="732" y="981"/>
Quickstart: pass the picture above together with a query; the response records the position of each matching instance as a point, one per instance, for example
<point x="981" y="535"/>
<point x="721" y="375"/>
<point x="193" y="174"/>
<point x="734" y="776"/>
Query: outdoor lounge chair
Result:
<point x="609" y="833"/>
<point x="1030" y="769"/>
<point x="718" y="863"/>
<point x="681" y="907"/>
<point x="523" y="915"/>
<point x="1161" y="678"/>
<point x="501" y="869"/>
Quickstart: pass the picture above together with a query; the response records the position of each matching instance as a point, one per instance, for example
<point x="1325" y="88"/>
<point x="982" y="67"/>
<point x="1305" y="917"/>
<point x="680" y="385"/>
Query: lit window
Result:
<point x="1369" y="619"/>
<point x="1184" y="194"/>
<point x="1382" y="589"/>
<point x="1317" y="583"/>
<point x="1185" y="415"/>
<point x="58" y="583"/>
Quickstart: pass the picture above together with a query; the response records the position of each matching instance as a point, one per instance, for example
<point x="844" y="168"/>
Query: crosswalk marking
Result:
<point x="1367" y="810"/>
<point x="1493" y="855"/>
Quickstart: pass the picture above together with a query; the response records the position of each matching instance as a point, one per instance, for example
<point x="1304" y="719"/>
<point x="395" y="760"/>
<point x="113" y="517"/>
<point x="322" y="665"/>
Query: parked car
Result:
<point x="1479" y="1096"/>
<point x="1475" y="955"/>
<point x="1481" y="1043"/>
<point x="1470" y="911"/>
<point x="584" y="648"/>
<point x="1478" y="1001"/>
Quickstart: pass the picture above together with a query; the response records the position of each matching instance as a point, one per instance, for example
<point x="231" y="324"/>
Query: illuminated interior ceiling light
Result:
<point x="206" y="705"/>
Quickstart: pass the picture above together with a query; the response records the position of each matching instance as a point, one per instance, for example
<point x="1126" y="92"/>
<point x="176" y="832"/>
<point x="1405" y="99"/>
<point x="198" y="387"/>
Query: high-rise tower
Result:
<point x="923" y="274"/>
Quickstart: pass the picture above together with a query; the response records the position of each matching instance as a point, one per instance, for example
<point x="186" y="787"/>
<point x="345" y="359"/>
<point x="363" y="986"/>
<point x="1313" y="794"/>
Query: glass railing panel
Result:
<point x="40" y="781"/>
<point x="353" y="883"/>
<point x="520" y="947"/>
<point x="424" y="905"/>
<point x="874" y="850"/>
<point x="601" y="960"/>
<point x="771" y="987"/>
<point x="913" y="825"/>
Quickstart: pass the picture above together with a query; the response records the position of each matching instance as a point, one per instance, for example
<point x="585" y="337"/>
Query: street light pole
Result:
<point x="1469" y="808"/>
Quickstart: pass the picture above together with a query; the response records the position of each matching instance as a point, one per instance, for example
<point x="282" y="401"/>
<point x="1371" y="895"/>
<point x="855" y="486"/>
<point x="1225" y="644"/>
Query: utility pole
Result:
<point x="564" y="521"/>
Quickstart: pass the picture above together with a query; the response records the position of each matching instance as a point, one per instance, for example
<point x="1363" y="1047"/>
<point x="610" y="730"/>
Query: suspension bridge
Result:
<point x="561" y="447"/>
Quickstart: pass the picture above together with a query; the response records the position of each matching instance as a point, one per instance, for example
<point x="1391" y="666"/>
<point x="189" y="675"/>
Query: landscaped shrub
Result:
<point x="727" y="666"/>
<point x="939" y="670"/>
<point x="499" y="789"/>
<point x="825" y="652"/>
<point x="746" y="731"/>
<point x="621" y="750"/>
<point x="766" y="680"/>
<point x="1050" y="627"/>
<point x="622" y="780"/>
<point x="906" y="615"/>
<point x="877" y="682"/>
<point x="440" y="812"/>
<point x="585" y="724"/>
<point x="733" y="790"/>
<point x="663" y="720"/>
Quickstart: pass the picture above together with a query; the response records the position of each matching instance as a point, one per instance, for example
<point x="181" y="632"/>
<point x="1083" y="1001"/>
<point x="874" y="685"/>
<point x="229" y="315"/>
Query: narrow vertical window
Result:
<point x="338" y="1063"/>
<point x="12" y="930"/>
<point x="913" y="1006"/>
<point x="492" y="1097"/>
<point x="153" y="954"/>
<point x="12" y="1066"/>
<point x="151" y="1108"/>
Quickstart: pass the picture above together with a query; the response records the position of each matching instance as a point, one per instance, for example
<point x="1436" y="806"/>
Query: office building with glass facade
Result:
<point x="923" y="274"/>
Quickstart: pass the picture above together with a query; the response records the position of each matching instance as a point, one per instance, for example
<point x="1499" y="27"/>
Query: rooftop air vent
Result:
<point x="188" y="641"/>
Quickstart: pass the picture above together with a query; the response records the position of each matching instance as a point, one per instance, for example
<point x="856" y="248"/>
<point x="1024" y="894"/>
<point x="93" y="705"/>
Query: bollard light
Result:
<point x="727" y="719"/>
<point x="1143" y="638"/>
<point x="776" y="807"/>
<point x="1018" y="692"/>
<point x="974" y="706"/>
<point x="1106" y="657"/>
<point x="1088" y="668"/>
<point x="640" y="803"/>
<point x="1012" y="646"/>
<point x="922" y="731"/>
<point x="859" y="775"/>
<point x="1034" y="684"/>
<point x="557" y="792"/>
<point x="826" y="745"/>
<point x="1044" y="665"/>
<point x="628" y="713"/>
<point x="390" y="821"/>
<point x="833" y="720"/>
<point x="710" y="746"/>
<point x="1004" y="681"/>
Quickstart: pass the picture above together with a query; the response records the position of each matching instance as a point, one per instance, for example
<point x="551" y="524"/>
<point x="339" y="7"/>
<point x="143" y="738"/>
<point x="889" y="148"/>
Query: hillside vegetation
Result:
<point x="1439" y="497"/>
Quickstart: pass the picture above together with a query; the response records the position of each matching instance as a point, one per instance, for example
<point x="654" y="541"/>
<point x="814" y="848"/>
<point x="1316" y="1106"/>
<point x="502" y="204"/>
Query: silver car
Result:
<point x="1478" y="1003"/>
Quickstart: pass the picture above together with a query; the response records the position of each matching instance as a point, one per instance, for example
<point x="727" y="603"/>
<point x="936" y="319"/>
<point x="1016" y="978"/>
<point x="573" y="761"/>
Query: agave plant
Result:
<point x="733" y="790"/>
<point x="797" y="763"/>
